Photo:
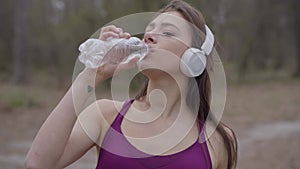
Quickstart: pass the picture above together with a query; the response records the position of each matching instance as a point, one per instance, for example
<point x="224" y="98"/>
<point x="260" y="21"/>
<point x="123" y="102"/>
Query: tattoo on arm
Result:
<point x="89" y="88"/>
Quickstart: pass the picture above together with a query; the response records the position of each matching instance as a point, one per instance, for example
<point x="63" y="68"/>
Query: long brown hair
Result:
<point x="203" y="85"/>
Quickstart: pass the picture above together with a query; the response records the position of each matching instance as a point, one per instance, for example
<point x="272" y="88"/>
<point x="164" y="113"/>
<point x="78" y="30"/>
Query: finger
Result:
<point x="106" y="35"/>
<point x="112" y="28"/>
<point x="126" y="35"/>
<point x="109" y="28"/>
<point x="121" y="32"/>
<point x="123" y="67"/>
<point x="134" y="60"/>
<point x="128" y="65"/>
<point x="106" y="70"/>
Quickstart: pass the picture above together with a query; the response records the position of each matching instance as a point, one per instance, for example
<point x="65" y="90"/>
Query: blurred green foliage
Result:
<point x="13" y="98"/>
<point x="254" y="36"/>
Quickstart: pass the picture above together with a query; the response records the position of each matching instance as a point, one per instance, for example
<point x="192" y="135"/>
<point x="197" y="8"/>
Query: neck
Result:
<point x="166" y="95"/>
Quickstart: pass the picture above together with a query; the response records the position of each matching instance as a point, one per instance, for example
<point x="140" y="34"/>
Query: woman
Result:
<point x="119" y="134"/>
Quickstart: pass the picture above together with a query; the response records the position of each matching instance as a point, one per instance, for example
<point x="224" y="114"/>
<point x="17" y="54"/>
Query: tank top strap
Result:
<point x="118" y="120"/>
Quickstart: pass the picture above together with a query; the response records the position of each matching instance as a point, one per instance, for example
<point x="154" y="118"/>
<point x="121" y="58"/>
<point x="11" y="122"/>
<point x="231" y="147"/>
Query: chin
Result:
<point x="145" y="67"/>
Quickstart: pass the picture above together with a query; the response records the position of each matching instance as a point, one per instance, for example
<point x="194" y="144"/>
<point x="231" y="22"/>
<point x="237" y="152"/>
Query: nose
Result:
<point x="149" y="38"/>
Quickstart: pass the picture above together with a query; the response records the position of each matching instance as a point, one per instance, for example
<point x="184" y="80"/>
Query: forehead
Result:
<point x="171" y="17"/>
<point x="174" y="19"/>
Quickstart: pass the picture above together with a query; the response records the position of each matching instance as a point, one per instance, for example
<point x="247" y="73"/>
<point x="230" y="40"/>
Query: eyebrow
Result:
<point x="152" y="24"/>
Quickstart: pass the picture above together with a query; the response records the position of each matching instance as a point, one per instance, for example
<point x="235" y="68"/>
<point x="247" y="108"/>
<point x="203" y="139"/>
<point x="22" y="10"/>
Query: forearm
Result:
<point x="50" y="142"/>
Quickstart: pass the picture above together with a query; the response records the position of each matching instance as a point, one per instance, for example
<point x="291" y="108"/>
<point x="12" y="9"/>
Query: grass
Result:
<point x="15" y="97"/>
<point x="246" y="102"/>
<point x="24" y="108"/>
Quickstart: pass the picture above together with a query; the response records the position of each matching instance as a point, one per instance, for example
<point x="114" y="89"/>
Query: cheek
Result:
<point x="168" y="60"/>
<point x="179" y="51"/>
<point x="177" y="48"/>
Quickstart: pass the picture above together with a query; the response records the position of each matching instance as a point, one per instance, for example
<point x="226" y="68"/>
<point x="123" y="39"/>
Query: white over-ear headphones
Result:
<point x="193" y="60"/>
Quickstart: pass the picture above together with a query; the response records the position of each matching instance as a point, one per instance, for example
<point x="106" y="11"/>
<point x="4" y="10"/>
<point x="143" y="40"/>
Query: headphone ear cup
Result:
<point x="193" y="62"/>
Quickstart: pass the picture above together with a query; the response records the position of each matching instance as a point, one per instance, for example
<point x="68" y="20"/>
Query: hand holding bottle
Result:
<point x="114" y="49"/>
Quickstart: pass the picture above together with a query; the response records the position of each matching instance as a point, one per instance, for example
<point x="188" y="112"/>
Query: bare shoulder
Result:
<point x="98" y="117"/>
<point x="103" y="108"/>
<point x="108" y="109"/>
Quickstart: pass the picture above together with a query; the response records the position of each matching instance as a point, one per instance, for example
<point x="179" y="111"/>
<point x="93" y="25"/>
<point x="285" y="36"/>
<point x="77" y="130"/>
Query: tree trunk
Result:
<point x="296" y="5"/>
<point x="20" y="41"/>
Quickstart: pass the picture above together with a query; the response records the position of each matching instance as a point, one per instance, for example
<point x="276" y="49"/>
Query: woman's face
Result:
<point x="168" y="36"/>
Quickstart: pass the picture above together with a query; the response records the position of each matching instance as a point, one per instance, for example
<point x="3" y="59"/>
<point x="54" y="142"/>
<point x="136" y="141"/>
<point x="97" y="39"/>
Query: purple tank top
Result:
<point x="118" y="153"/>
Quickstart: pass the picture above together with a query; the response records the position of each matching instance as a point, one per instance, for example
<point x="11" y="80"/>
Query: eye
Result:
<point x="168" y="34"/>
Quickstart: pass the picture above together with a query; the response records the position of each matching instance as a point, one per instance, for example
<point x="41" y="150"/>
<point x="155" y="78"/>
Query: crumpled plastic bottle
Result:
<point x="95" y="52"/>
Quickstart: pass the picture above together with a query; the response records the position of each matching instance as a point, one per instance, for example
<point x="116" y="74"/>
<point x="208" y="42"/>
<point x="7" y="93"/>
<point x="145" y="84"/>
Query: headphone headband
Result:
<point x="208" y="43"/>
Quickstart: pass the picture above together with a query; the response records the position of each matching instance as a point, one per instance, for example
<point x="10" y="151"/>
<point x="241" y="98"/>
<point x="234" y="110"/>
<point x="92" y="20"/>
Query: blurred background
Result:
<point x="259" y="47"/>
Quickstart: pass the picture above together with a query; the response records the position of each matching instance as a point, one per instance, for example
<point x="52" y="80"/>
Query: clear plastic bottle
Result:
<point x="95" y="52"/>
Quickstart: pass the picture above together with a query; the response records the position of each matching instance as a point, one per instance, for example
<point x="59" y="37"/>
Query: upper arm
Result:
<point x="78" y="144"/>
<point x="86" y="132"/>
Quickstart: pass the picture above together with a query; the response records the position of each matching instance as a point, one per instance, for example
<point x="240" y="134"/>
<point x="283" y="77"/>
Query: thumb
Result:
<point x="129" y="65"/>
